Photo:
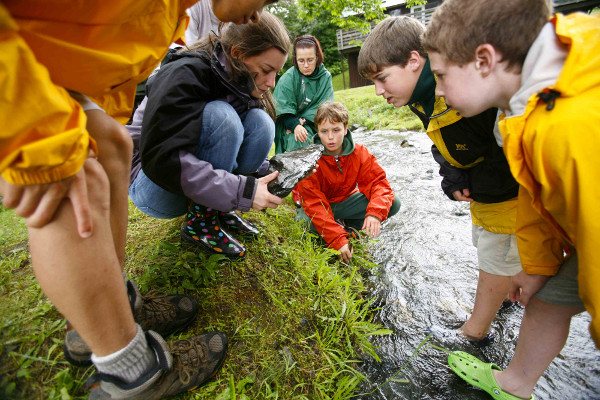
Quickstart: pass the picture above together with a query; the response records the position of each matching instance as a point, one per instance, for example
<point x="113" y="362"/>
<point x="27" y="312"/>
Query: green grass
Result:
<point x="297" y="319"/>
<point x="372" y="111"/>
<point x="338" y="82"/>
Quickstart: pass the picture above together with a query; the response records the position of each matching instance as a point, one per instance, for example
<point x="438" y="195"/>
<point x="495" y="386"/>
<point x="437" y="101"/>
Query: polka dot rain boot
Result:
<point x="233" y="222"/>
<point x="203" y="228"/>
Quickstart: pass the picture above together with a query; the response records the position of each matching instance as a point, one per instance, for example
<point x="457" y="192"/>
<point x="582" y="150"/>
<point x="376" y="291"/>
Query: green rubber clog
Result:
<point x="479" y="374"/>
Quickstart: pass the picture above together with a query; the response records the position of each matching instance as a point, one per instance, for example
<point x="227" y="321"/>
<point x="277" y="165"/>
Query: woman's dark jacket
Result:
<point x="172" y="124"/>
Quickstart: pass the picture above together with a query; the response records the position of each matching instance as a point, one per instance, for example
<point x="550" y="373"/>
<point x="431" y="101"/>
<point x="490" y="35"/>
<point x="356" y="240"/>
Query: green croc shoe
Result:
<point x="479" y="374"/>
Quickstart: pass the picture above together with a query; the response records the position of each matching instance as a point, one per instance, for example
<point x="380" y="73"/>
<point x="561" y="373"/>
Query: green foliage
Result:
<point x="412" y="3"/>
<point x="372" y="111"/>
<point x="295" y="316"/>
<point x="347" y="14"/>
<point x="323" y="28"/>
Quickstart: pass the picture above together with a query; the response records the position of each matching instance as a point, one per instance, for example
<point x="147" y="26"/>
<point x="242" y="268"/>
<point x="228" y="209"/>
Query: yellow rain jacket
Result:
<point x="553" y="151"/>
<point x="101" y="48"/>
<point x="498" y="213"/>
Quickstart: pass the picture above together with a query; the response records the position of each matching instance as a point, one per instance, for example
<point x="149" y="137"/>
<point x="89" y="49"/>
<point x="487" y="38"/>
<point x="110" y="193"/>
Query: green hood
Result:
<point x="301" y="95"/>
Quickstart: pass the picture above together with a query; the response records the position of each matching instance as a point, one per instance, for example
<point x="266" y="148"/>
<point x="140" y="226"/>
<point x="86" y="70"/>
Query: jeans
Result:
<point x="228" y="141"/>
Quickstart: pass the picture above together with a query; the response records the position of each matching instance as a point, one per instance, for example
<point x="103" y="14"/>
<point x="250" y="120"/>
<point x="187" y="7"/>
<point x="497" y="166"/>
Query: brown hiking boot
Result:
<point x="182" y="365"/>
<point x="164" y="314"/>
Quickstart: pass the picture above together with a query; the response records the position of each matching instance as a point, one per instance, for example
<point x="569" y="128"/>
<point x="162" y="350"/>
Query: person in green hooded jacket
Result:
<point x="299" y="93"/>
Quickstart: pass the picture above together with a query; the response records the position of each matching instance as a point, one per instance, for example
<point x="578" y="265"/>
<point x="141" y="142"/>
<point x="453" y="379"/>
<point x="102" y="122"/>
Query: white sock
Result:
<point x="129" y="363"/>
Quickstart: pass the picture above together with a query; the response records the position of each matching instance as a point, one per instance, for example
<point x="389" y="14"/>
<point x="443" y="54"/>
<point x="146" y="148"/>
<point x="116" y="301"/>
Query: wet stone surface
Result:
<point x="428" y="278"/>
<point x="293" y="166"/>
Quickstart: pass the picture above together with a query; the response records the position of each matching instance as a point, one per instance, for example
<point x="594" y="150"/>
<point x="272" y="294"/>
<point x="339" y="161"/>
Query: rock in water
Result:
<point x="293" y="166"/>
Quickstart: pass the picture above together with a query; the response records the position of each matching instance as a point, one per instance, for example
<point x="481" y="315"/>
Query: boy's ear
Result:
<point x="346" y="129"/>
<point x="486" y="59"/>
<point x="415" y="61"/>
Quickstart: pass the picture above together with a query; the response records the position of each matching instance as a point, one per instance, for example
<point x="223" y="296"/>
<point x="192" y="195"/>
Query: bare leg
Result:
<point x="543" y="334"/>
<point x="491" y="291"/>
<point x="82" y="277"/>
<point x="115" y="149"/>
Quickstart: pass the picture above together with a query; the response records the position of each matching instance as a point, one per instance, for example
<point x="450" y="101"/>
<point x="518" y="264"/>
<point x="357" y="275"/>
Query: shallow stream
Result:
<point x="428" y="278"/>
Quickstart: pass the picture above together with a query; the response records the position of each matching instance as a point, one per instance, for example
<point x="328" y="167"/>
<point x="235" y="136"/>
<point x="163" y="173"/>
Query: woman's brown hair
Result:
<point x="249" y="40"/>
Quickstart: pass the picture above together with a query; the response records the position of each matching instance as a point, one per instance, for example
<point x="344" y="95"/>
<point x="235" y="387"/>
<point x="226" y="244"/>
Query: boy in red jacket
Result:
<point x="349" y="184"/>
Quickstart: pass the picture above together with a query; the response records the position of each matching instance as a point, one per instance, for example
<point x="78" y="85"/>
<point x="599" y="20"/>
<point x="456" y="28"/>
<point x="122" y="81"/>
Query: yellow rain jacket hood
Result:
<point x="100" y="48"/>
<point x="552" y="139"/>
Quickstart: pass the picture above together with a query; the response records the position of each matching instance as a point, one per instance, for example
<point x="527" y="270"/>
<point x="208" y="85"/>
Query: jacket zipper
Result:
<point x="337" y="161"/>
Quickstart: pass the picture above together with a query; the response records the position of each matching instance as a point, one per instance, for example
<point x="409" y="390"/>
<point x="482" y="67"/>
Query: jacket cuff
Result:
<point x="248" y="189"/>
<point x="540" y="270"/>
<point x="339" y="243"/>
<point x="40" y="176"/>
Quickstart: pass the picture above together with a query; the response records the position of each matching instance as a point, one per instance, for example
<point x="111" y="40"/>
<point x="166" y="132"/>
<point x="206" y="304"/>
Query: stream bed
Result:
<point x="428" y="278"/>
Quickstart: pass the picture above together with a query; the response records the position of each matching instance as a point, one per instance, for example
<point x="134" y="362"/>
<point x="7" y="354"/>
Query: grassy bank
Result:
<point x="296" y="318"/>
<point x="373" y="112"/>
<point x="298" y="321"/>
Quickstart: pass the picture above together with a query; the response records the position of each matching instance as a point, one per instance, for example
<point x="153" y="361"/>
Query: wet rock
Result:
<point x="353" y="127"/>
<point x="293" y="166"/>
<point x="405" y="143"/>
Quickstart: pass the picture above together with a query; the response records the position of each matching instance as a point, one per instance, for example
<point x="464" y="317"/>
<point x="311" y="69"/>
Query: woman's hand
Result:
<point x="300" y="133"/>
<point x="263" y="198"/>
<point x="372" y="226"/>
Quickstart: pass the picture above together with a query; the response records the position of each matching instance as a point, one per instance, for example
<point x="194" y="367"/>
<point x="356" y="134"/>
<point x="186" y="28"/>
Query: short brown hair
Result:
<point x="390" y="43"/>
<point x="458" y="27"/>
<point x="307" y="42"/>
<point x="333" y="111"/>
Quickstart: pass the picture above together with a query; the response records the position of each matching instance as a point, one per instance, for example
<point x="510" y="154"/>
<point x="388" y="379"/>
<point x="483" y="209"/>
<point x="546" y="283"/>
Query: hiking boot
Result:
<point x="232" y="221"/>
<point x="202" y="227"/>
<point x="164" y="314"/>
<point x="182" y="365"/>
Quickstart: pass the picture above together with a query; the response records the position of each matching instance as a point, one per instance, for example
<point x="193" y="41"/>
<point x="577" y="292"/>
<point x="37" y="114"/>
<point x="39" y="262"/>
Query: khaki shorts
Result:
<point x="562" y="289"/>
<point x="496" y="252"/>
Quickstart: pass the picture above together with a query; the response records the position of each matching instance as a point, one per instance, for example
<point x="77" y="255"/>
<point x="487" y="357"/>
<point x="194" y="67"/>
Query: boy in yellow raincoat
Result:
<point x="544" y="75"/>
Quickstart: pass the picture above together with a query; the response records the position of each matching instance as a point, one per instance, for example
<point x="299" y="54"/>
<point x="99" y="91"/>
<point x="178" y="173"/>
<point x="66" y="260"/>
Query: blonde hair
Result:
<point x="390" y="43"/>
<point x="458" y="27"/>
<point x="333" y="111"/>
<point x="250" y="40"/>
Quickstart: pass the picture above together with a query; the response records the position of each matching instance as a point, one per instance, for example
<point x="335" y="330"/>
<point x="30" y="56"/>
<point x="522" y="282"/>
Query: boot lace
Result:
<point x="188" y="355"/>
<point x="156" y="309"/>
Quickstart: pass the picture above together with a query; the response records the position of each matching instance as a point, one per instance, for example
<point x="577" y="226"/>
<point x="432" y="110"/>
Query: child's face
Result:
<point x="396" y="84"/>
<point x="462" y="87"/>
<point x="264" y="67"/>
<point x="332" y="136"/>
<point x="239" y="11"/>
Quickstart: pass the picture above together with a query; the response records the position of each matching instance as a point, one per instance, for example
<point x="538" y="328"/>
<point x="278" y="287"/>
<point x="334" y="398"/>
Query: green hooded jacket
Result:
<point x="300" y="95"/>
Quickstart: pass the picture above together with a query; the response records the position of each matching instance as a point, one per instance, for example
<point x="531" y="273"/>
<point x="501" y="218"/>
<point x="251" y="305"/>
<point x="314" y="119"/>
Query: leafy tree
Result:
<point x="348" y="14"/>
<point x="322" y="18"/>
<point x="321" y="27"/>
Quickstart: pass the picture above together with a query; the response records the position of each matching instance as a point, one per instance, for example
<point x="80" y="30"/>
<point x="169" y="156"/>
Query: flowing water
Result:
<point x="428" y="278"/>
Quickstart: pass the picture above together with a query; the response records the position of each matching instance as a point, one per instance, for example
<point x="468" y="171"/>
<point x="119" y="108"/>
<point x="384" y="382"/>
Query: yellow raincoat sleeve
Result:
<point x="540" y="251"/>
<point x="43" y="137"/>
